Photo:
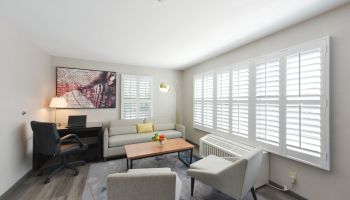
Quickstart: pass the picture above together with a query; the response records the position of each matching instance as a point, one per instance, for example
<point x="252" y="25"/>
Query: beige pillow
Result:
<point x="145" y="128"/>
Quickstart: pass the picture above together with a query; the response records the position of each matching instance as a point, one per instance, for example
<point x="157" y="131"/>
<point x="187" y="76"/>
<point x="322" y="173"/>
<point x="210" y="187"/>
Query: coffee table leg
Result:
<point x="191" y="153"/>
<point x="184" y="161"/>
<point x="130" y="164"/>
<point x="127" y="163"/>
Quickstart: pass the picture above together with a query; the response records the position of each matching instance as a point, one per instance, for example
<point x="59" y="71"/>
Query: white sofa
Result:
<point x="123" y="132"/>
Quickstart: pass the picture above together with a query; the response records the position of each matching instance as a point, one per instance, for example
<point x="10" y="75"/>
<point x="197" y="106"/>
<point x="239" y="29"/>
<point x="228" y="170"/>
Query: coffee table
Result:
<point x="150" y="149"/>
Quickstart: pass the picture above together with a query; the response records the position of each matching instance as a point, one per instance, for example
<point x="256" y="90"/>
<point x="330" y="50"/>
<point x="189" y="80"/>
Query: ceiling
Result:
<point x="167" y="34"/>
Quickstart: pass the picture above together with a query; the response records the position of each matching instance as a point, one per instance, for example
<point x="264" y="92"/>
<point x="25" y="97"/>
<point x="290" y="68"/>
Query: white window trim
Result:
<point x="122" y="101"/>
<point x="324" y="161"/>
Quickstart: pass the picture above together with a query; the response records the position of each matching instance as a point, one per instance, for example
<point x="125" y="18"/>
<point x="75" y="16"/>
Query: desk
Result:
<point x="91" y="134"/>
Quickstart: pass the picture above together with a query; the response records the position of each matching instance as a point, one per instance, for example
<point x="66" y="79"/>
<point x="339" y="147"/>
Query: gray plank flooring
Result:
<point x="64" y="186"/>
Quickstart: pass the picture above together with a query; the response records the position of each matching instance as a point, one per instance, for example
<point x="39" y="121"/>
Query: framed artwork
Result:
<point x="83" y="88"/>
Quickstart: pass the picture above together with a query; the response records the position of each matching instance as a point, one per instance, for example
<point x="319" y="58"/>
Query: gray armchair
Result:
<point x="234" y="176"/>
<point x="144" y="184"/>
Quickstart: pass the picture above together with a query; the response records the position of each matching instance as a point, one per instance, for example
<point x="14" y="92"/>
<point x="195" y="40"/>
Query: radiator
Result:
<point x="223" y="147"/>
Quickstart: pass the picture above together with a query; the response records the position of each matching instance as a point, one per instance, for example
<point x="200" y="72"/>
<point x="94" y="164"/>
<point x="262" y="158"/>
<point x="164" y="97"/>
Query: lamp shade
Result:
<point x="58" y="102"/>
<point x="164" y="87"/>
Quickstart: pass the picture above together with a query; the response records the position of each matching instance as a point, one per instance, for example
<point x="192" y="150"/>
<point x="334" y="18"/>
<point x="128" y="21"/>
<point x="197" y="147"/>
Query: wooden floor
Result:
<point x="65" y="186"/>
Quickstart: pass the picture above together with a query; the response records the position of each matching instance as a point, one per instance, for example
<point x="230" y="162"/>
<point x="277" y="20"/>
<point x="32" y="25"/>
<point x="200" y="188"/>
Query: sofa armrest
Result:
<point x="182" y="129"/>
<point x="105" y="143"/>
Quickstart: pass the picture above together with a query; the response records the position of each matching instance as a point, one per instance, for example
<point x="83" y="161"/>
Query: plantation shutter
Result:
<point x="208" y="100"/>
<point x="145" y="97"/>
<point x="136" y="97"/>
<point x="198" y="102"/>
<point x="304" y="108"/>
<point x="267" y="102"/>
<point x="222" y="101"/>
<point x="240" y="95"/>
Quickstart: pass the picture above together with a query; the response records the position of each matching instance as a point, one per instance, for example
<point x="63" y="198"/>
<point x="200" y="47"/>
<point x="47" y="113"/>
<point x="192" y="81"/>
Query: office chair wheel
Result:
<point x="47" y="180"/>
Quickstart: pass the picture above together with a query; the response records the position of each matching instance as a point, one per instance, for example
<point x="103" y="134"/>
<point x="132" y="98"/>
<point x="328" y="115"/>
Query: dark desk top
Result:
<point x="89" y="125"/>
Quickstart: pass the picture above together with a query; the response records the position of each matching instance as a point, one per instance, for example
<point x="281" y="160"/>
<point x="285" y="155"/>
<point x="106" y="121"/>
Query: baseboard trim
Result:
<point x="14" y="186"/>
<point x="291" y="193"/>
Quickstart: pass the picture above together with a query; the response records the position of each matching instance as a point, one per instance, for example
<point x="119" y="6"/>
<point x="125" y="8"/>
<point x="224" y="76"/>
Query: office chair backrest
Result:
<point x="46" y="137"/>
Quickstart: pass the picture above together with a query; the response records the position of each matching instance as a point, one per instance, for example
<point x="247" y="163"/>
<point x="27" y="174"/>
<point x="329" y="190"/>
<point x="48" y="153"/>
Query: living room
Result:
<point x="185" y="89"/>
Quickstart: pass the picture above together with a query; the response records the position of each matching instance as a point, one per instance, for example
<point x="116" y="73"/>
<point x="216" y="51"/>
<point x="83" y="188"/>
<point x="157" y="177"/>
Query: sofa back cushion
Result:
<point x="164" y="126"/>
<point x="160" y="120"/>
<point x="121" y="130"/>
<point x="145" y="128"/>
<point x="127" y="122"/>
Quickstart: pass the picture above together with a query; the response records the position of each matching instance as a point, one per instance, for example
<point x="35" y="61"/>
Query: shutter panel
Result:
<point x="267" y="102"/>
<point x="208" y="97"/>
<point x="129" y="87"/>
<point x="136" y="97"/>
<point x="145" y="85"/>
<point x="240" y="95"/>
<point x="198" y="101"/>
<point x="222" y="101"/>
<point x="303" y="110"/>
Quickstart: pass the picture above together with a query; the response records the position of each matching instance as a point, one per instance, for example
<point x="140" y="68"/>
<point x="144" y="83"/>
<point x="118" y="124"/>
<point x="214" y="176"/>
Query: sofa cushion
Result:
<point x="128" y="122"/>
<point x="121" y="140"/>
<point x="145" y="128"/>
<point x="171" y="134"/>
<point x="122" y="130"/>
<point x="166" y="126"/>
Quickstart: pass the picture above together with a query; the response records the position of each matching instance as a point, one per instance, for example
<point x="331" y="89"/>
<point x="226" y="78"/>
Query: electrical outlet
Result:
<point x="293" y="176"/>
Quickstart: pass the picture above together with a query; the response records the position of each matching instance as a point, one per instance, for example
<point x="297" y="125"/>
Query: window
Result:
<point x="279" y="102"/>
<point x="136" y="101"/>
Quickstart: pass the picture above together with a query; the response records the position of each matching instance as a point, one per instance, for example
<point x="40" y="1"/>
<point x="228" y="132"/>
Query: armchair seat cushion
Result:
<point x="211" y="163"/>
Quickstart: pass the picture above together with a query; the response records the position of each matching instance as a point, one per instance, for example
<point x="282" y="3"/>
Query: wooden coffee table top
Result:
<point x="148" y="149"/>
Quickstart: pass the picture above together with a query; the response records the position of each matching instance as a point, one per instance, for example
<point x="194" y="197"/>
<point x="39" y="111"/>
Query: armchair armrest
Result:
<point x="74" y="136"/>
<point x="182" y="129"/>
<point x="232" y="159"/>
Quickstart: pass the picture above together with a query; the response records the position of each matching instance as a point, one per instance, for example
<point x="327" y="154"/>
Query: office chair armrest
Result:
<point x="72" y="136"/>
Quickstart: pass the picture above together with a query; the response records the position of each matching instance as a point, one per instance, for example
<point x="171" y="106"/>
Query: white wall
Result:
<point x="312" y="183"/>
<point x="25" y="86"/>
<point x="164" y="104"/>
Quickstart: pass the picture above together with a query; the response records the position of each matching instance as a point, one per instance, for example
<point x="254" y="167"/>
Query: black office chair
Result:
<point x="48" y="142"/>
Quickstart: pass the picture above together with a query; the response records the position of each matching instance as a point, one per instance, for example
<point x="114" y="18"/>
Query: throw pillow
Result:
<point x="145" y="128"/>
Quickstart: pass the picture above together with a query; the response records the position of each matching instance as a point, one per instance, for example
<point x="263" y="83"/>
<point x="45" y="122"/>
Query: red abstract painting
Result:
<point x="87" y="88"/>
